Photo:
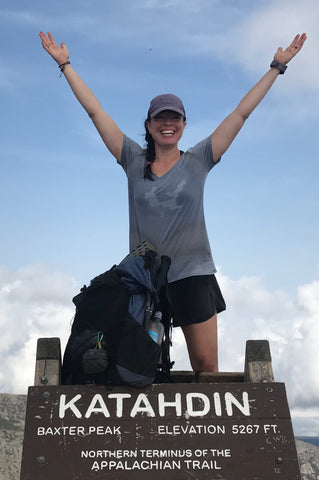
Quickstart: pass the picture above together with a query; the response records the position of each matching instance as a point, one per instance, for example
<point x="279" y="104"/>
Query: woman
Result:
<point x="166" y="194"/>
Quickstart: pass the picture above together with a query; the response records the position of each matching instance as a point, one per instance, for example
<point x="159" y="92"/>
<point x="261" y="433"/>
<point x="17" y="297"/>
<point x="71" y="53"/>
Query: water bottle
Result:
<point x="156" y="328"/>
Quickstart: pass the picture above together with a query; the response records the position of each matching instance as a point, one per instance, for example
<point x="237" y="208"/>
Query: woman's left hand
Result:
<point x="284" y="56"/>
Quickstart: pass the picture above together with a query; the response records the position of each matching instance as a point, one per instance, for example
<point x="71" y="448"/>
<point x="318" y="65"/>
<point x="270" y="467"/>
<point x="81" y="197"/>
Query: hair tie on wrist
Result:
<point x="62" y="66"/>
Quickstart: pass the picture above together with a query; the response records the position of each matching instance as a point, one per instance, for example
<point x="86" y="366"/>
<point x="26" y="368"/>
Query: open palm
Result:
<point x="59" y="54"/>
<point x="284" y="56"/>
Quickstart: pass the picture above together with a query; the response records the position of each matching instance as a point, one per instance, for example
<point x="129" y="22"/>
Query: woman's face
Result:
<point x="166" y="127"/>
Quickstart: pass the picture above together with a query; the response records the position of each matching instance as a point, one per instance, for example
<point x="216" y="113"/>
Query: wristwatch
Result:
<point x="282" y="68"/>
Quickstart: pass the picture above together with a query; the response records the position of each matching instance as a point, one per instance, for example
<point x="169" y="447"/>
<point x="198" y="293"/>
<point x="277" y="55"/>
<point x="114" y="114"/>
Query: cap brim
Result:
<point x="167" y="107"/>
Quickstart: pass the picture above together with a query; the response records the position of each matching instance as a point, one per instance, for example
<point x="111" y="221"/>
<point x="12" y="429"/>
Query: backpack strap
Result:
<point x="162" y="299"/>
<point x="161" y="274"/>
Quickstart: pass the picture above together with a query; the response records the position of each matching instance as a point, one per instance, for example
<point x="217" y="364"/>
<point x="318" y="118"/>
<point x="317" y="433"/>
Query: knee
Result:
<point x="205" y="364"/>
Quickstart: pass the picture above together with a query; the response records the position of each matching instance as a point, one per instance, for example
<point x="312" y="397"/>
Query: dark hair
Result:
<point x="150" y="152"/>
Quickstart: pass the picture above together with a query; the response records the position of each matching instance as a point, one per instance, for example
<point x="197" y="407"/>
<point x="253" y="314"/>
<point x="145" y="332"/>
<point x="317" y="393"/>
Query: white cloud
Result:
<point x="34" y="302"/>
<point x="255" y="38"/>
<point x="290" y="323"/>
<point x="305" y="422"/>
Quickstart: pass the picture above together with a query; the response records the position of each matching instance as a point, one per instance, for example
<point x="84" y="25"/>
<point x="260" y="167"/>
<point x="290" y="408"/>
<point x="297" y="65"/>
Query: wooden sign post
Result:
<point x="203" y="431"/>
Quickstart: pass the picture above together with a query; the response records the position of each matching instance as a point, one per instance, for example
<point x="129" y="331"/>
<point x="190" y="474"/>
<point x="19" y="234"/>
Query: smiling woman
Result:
<point x="166" y="193"/>
<point x="167" y="117"/>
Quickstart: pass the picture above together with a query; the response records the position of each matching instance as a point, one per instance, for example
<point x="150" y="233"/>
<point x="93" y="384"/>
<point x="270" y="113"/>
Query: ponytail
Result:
<point x="149" y="154"/>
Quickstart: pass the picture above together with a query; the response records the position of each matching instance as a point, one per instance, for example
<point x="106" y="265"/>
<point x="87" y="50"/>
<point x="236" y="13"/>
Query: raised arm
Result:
<point x="225" y="133"/>
<point x="110" y="133"/>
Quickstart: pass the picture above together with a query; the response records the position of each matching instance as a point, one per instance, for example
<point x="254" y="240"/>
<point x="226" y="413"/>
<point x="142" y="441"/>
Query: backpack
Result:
<point x="109" y="344"/>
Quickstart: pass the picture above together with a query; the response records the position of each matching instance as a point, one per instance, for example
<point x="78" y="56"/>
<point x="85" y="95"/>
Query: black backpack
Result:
<point x="109" y="344"/>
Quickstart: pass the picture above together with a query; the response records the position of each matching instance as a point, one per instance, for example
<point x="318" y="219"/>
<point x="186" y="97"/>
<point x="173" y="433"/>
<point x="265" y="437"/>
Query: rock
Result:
<point x="12" y="415"/>
<point x="308" y="457"/>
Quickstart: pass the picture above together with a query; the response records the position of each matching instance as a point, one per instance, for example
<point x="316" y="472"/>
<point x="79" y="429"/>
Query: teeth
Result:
<point x="168" y="132"/>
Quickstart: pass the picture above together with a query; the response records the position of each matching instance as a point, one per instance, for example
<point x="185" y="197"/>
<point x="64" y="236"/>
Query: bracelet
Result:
<point x="282" y="68"/>
<point x="62" y="66"/>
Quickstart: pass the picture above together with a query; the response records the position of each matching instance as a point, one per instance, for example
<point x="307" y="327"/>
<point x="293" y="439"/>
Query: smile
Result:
<point x="167" y="132"/>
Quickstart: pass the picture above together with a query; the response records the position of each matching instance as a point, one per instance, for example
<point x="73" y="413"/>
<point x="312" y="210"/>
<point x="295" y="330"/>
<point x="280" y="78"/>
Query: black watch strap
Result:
<point x="282" y="68"/>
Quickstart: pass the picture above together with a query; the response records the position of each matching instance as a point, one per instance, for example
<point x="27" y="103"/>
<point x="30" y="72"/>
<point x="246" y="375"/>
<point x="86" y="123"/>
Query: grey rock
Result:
<point x="308" y="457"/>
<point x="12" y="416"/>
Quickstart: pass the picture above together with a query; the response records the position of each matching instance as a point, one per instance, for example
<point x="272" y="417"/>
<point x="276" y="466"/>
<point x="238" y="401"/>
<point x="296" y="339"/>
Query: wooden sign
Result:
<point x="232" y="431"/>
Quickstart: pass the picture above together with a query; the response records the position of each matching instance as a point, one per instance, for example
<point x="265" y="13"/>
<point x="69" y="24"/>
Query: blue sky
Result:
<point x="64" y="211"/>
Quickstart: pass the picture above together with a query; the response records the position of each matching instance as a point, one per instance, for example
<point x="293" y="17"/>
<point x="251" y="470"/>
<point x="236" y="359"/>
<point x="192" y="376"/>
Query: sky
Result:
<point x="64" y="211"/>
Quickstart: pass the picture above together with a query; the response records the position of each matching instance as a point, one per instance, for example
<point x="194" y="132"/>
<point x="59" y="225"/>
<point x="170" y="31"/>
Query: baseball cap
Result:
<point x="167" y="101"/>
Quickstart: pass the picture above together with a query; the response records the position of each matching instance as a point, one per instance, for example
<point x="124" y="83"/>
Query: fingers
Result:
<point x="284" y="56"/>
<point x="302" y="40"/>
<point x="297" y="42"/>
<point x="295" y="39"/>
<point x="59" y="54"/>
<point x="47" y="41"/>
<point x="51" y="37"/>
<point x="293" y="43"/>
<point x="43" y="37"/>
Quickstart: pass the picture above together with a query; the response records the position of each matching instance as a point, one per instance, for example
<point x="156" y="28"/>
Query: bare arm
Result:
<point x="225" y="133"/>
<point x="110" y="133"/>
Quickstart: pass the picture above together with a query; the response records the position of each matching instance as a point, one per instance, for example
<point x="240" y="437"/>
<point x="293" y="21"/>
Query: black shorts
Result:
<point x="195" y="299"/>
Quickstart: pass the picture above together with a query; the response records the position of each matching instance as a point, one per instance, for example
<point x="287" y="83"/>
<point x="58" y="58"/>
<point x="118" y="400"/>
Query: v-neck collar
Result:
<point x="170" y="169"/>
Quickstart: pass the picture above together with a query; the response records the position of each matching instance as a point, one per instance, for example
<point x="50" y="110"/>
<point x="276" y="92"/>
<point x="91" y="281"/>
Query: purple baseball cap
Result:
<point x="167" y="101"/>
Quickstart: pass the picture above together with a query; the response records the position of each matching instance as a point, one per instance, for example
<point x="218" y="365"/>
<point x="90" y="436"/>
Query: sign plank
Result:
<point x="170" y="431"/>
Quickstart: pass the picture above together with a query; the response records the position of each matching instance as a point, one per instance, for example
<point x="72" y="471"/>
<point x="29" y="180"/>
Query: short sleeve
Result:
<point x="203" y="150"/>
<point x="131" y="153"/>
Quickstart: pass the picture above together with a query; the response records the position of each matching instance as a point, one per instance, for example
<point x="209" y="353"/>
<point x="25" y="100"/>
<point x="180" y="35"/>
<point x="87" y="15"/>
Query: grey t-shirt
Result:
<point x="168" y="211"/>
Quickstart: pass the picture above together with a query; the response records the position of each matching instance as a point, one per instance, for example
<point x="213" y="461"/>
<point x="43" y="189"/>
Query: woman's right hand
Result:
<point x="59" y="54"/>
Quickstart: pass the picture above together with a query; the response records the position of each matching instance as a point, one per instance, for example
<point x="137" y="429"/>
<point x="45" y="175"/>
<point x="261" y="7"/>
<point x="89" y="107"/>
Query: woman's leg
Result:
<point x="201" y="340"/>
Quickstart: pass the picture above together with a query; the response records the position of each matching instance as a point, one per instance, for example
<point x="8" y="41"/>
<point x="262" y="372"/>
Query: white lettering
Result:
<point x="201" y="465"/>
<point x="201" y="453"/>
<point x="162" y="404"/>
<point x="95" y="466"/>
<point x="217" y="404"/>
<point x="220" y="453"/>
<point x="70" y="405"/>
<point x="137" y="465"/>
<point x="190" y="406"/>
<point x="230" y="400"/>
<point x="190" y="429"/>
<point x="142" y="398"/>
<point x="97" y="399"/>
<point x="119" y="401"/>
